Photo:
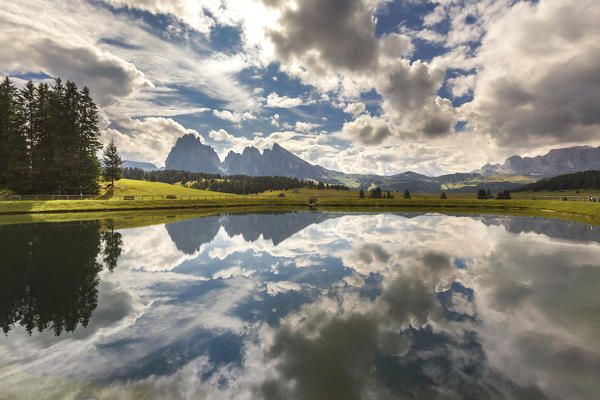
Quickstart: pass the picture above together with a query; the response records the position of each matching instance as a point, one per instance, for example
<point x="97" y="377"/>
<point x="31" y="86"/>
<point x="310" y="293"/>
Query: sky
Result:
<point x="360" y="86"/>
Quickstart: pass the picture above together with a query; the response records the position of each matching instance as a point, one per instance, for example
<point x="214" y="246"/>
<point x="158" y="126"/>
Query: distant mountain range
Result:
<point x="191" y="155"/>
<point x="555" y="162"/>
<point x="146" y="166"/>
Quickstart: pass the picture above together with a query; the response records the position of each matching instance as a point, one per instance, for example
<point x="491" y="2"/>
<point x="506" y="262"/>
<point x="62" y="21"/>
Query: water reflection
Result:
<point x="326" y="306"/>
<point x="190" y="234"/>
<point x="50" y="274"/>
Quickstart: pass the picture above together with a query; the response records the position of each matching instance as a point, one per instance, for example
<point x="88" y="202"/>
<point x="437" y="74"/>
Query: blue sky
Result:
<point x="370" y="86"/>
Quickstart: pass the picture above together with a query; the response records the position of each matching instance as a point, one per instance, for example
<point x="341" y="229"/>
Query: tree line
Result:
<point x="49" y="138"/>
<point x="578" y="180"/>
<point x="238" y="184"/>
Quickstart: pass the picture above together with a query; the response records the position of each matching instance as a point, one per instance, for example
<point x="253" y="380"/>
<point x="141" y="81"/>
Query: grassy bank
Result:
<point x="589" y="212"/>
<point x="211" y="202"/>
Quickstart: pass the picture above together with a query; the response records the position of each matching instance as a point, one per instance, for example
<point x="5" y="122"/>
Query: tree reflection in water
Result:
<point x="49" y="274"/>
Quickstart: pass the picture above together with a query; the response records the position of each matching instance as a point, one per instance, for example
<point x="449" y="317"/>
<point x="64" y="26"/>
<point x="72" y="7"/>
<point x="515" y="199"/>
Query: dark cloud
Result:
<point x="532" y="92"/>
<point x="338" y="33"/>
<point x="107" y="76"/>
<point x="368" y="130"/>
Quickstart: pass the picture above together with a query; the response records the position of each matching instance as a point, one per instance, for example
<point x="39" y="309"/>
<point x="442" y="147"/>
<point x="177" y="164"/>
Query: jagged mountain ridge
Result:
<point x="555" y="162"/>
<point x="146" y="166"/>
<point x="191" y="155"/>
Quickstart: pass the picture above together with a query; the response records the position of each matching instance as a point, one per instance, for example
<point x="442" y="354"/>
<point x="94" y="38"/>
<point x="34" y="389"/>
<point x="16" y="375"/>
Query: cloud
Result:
<point x="276" y="101"/>
<point x="368" y="130"/>
<point x="341" y="53"/>
<point x="29" y="46"/>
<point x="340" y="34"/>
<point x="148" y="139"/>
<point x="355" y="108"/>
<point x="461" y="85"/>
<point x="531" y="92"/>
<point x="305" y="126"/>
<point x="221" y="136"/>
<point x="233" y="116"/>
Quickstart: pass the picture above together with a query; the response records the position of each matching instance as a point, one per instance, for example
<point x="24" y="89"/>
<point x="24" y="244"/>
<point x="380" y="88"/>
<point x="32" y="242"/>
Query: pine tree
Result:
<point x="14" y="165"/>
<point x="42" y="153"/>
<point x="406" y="194"/>
<point x="7" y="123"/>
<point x="112" y="163"/>
<point x="361" y="194"/>
<point x="443" y="196"/>
<point x="89" y="141"/>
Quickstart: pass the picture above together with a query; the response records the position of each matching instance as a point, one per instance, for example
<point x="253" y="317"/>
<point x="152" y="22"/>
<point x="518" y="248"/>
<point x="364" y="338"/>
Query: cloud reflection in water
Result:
<point x="323" y="305"/>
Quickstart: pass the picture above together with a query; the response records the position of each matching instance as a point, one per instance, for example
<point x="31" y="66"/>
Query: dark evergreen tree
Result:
<point x="406" y="194"/>
<point x="8" y="123"/>
<point x="375" y="193"/>
<point x="14" y="167"/>
<point x="361" y="194"/>
<point x="389" y="196"/>
<point x="112" y="163"/>
<point x="481" y="195"/>
<point x="49" y="138"/>
<point x="505" y="195"/>
<point x="42" y="153"/>
<point x="443" y="196"/>
<point x="89" y="142"/>
<point x="488" y="192"/>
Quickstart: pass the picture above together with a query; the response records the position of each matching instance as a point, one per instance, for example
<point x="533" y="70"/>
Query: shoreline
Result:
<point x="40" y="210"/>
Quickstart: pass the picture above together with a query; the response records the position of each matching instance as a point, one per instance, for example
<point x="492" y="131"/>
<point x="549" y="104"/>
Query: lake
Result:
<point x="302" y="305"/>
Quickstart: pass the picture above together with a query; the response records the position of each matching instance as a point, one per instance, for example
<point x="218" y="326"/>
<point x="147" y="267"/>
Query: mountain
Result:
<point x="189" y="154"/>
<point x="555" y="162"/>
<point x="146" y="166"/>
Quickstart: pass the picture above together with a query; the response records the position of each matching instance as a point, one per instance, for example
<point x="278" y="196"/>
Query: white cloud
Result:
<point x="221" y="136"/>
<point x="276" y="101"/>
<point x="461" y="85"/>
<point x="355" y="108"/>
<point x="305" y="126"/>
<point x="233" y="116"/>
<point x="148" y="139"/>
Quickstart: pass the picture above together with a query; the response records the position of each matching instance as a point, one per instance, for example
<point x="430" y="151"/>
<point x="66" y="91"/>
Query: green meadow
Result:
<point x="150" y="205"/>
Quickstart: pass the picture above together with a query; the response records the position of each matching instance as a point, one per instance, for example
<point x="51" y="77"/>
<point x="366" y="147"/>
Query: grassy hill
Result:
<point x="130" y="187"/>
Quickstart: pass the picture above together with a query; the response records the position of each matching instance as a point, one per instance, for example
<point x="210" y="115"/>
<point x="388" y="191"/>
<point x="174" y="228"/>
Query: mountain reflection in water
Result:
<point x="303" y="306"/>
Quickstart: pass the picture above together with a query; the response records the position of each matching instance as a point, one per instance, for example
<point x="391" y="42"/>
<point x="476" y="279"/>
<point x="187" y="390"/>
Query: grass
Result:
<point x="130" y="187"/>
<point x="208" y="202"/>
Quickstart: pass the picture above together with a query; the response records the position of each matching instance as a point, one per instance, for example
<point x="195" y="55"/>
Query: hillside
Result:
<point x="589" y="180"/>
<point x="129" y="187"/>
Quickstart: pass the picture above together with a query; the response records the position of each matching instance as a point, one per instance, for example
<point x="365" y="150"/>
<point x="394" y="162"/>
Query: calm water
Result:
<point x="302" y="306"/>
